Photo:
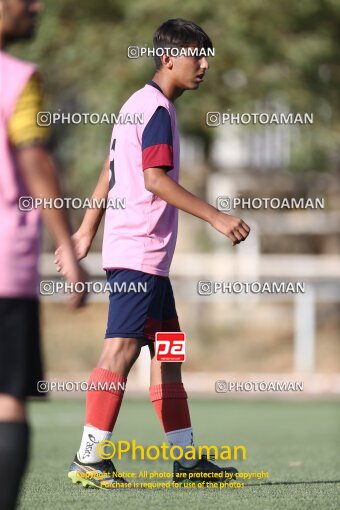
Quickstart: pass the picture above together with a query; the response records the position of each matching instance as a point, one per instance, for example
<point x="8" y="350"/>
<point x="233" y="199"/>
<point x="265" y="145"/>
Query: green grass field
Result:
<point x="296" y="442"/>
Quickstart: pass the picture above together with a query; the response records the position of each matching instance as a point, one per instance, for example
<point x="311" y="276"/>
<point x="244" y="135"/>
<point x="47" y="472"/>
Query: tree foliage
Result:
<point x="283" y="51"/>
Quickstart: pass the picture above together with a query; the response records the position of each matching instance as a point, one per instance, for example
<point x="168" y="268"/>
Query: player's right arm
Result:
<point x="83" y="238"/>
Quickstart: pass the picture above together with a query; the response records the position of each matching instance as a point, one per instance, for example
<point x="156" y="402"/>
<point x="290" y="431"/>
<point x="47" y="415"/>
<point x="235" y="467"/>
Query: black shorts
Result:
<point x="20" y="354"/>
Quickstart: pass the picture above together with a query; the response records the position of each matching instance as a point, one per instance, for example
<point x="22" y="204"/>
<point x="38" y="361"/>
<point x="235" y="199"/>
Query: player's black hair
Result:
<point x="179" y="33"/>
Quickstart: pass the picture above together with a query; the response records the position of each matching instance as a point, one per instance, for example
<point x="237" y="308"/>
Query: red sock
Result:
<point x="171" y="404"/>
<point x="102" y="407"/>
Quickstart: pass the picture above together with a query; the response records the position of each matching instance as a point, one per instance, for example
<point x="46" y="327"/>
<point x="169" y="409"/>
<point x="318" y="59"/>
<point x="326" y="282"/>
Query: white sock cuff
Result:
<point x="181" y="437"/>
<point x="88" y="447"/>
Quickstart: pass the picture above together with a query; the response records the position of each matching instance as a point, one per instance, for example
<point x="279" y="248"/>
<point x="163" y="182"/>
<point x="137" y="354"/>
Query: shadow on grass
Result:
<point x="290" y="483"/>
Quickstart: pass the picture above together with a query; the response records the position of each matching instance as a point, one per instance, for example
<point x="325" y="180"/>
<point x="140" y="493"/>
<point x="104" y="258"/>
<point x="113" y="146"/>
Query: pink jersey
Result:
<point x="142" y="236"/>
<point x="20" y="231"/>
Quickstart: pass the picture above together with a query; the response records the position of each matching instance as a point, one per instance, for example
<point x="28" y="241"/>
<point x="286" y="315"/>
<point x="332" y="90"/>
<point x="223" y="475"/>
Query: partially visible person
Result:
<point x="27" y="169"/>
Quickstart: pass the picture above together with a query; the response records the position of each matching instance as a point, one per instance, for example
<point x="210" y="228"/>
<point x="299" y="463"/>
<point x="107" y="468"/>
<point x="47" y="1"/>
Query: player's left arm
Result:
<point x="158" y="182"/>
<point x="157" y="160"/>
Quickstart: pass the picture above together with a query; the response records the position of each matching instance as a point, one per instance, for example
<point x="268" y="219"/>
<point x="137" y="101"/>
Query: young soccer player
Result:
<point x="139" y="243"/>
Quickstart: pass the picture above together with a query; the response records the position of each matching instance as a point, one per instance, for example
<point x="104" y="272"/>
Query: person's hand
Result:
<point x="67" y="262"/>
<point x="231" y="226"/>
<point x="81" y="243"/>
<point x="74" y="273"/>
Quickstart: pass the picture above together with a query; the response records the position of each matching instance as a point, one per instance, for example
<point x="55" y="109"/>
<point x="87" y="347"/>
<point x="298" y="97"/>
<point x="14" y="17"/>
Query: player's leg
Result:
<point x="170" y="401"/>
<point x="167" y="392"/>
<point x="14" y="437"/>
<point x="20" y="371"/>
<point x="103" y="405"/>
<point x="122" y="345"/>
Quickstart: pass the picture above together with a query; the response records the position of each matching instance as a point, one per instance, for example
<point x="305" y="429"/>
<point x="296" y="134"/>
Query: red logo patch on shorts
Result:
<point x="170" y="346"/>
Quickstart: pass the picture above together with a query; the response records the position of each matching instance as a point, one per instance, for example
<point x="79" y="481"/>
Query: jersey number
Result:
<point x="112" y="167"/>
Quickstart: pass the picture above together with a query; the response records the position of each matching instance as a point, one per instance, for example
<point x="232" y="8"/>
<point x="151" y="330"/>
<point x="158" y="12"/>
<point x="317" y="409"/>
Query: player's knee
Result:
<point x="11" y="408"/>
<point x="122" y="351"/>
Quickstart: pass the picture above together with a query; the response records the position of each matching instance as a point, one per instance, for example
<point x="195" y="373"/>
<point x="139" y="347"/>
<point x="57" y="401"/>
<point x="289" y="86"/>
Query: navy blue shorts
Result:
<point x="141" y="304"/>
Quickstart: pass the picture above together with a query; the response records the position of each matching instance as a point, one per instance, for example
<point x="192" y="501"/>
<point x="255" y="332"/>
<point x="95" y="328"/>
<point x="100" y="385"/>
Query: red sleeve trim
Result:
<point x="158" y="155"/>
